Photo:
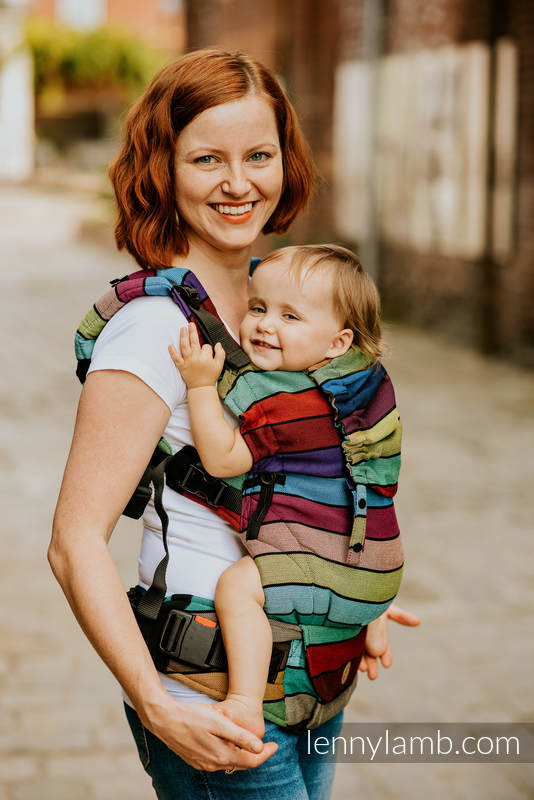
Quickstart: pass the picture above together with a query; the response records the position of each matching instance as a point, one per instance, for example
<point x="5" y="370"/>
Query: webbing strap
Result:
<point x="150" y="604"/>
<point x="212" y="329"/>
<point x="267" y="481"/>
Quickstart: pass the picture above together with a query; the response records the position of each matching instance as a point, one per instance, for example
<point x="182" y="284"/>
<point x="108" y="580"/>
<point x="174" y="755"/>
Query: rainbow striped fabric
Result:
<point x="328" y="551"/>
<point x="145" y="282"/>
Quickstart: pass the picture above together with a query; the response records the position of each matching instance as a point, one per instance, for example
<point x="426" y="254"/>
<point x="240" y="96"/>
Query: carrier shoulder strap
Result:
<point x="182" y="286"/>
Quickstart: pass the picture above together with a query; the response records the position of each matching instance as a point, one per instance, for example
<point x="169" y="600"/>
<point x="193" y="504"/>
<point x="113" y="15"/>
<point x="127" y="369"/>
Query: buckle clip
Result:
<point x="209" y="489"/>
<point x="189" y="294"/>
<point x="187" y="640"/>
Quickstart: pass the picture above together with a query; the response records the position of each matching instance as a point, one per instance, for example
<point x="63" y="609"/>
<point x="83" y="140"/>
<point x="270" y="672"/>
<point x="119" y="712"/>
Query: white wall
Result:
<point x="16" y="98"/>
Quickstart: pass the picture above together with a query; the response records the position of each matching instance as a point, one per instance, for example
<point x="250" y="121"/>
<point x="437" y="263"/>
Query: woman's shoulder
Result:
<point x="136" y="340"/>
<point x="149" y="310"/>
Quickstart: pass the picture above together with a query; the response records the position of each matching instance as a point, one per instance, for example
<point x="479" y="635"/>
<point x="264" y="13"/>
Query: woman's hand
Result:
<point x="376" y="642"/>
<point x="199" y="366"/>
<point x="205" y="738"/>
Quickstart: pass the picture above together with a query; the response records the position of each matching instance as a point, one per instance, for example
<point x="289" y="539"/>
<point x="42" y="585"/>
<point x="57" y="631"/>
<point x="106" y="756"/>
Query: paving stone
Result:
<point x="52" y="789"/>
<point x="85" y="766"/>
<point x="114" y="736"/>
<point x="124" y="786"/>
<point x="39" y="731"/>
<point x="17" y="768"/>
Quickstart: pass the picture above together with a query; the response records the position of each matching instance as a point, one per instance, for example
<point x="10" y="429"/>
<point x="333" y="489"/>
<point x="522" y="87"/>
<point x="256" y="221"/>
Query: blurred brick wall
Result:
<point x="488" y="304"/>
<point x="146" y="18"/>
<point x="143" y="17"/>
<point x="517" y="280"/>
<point x="434" y="291"/>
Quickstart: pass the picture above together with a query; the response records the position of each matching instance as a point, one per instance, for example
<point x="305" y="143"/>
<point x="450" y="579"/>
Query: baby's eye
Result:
<point x="289" y="315"/>
<point x="257" y="309"/>
<point x="260" y="156"/>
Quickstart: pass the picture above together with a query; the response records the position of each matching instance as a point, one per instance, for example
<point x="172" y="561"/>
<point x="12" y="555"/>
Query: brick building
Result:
<point x="421" y="118"/>
<point x="160" y="22"/>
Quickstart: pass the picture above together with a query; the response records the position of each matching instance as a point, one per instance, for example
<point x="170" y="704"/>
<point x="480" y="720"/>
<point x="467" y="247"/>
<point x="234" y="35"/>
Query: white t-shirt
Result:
<point x="201" y="544"/>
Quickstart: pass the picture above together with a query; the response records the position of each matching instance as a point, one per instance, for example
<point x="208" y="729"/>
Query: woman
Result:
<point x="213" y="156"/>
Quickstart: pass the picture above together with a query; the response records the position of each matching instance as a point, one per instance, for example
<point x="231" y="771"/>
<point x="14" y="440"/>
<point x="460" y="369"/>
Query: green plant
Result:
<point x="107" y="58"/>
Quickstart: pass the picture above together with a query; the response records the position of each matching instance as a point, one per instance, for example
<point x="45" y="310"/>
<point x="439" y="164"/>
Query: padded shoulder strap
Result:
<point x="182" y="286"/>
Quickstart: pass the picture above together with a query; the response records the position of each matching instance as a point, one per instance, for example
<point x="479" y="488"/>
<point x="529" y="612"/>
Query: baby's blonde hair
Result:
<point x="354" y="294"/>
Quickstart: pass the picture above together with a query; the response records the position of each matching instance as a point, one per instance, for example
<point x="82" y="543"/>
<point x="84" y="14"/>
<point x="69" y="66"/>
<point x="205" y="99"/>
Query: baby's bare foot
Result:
<point x="244" y="711"/>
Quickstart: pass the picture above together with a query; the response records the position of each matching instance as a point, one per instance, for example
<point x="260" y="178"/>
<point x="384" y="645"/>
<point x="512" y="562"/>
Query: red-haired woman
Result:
<point x="213" y="156"/>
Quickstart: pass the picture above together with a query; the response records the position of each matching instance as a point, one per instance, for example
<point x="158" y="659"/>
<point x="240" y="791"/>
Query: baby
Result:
<point x="306" y="305"/>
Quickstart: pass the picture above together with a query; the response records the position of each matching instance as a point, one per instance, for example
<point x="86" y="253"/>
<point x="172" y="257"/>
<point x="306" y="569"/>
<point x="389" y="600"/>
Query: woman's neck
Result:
<point x="224" y="275"/>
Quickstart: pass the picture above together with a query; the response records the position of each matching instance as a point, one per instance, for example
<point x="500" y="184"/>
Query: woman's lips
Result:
<point x="235" y="213"/>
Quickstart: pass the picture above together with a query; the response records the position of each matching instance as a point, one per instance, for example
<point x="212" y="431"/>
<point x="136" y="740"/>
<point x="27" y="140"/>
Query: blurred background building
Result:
<point x="160" y="22"/>
<point x="420" y="114"/>
<point x="16" y="94"/>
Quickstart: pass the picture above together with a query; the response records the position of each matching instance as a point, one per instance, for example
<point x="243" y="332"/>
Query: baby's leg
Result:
<point x="247" y="638"/>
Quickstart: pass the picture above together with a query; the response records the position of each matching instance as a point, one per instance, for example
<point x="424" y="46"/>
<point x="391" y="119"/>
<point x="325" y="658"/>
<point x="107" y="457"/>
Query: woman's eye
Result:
<point x="260" y="156"/>
<point x="257" y="309"/>
<point x="205" y="160"/>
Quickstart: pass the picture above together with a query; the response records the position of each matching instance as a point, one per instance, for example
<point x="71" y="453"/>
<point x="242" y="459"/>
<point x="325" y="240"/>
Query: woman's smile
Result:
<point x="235" y="213"/>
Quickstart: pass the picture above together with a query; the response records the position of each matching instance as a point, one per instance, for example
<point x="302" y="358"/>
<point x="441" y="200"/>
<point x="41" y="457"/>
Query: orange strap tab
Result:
<point x="209" y="623"/>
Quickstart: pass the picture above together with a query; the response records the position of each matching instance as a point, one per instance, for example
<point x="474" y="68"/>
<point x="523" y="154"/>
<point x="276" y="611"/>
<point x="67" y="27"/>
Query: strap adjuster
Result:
<point x="196" y="482"/>
<point x="194" y="642"/>
<point x="189" y="294"/>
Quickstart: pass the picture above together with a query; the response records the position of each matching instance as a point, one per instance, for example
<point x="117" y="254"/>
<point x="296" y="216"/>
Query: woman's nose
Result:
<point x="236" y="182"/>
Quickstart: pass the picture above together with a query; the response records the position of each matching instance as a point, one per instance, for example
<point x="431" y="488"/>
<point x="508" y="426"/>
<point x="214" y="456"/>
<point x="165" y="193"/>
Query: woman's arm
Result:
<point x="221" y="448"/>
<point x="120" y="420"/>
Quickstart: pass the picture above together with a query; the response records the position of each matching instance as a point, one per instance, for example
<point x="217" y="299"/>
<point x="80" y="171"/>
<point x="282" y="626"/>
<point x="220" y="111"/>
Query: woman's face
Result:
<point x="229" y="173"/>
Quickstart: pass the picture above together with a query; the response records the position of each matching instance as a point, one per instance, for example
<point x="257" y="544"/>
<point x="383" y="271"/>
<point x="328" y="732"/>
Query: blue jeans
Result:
<point x="285" y="775"/>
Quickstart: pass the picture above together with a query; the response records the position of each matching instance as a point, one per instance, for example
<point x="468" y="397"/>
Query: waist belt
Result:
<point x="195" y="638"/>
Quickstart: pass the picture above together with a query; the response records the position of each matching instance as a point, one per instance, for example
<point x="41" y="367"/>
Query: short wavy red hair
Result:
<point x="143" y="173"/>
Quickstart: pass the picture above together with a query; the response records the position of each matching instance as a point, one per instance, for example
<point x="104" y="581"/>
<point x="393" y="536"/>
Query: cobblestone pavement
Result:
<point x="465" y="506"/>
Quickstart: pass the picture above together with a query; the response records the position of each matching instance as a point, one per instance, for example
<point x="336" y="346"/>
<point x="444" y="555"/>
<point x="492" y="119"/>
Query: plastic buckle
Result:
<point x="209" y="489"/>
<point x="189" y="294"/>
<point x="187" y="640"/>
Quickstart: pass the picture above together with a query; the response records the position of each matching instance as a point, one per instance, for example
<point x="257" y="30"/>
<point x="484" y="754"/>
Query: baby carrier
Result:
<point x="315" y="512"/>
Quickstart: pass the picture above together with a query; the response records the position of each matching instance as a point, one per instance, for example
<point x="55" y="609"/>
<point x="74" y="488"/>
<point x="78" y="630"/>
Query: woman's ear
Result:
<point x="340" y="343"/>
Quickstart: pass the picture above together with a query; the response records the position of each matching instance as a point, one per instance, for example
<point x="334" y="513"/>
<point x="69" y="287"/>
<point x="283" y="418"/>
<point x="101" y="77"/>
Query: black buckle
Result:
<point x="185" y="639"/>
<point x="207" y="488"/>
<point x="115" y="281"/>
<point x="189" y="294"/>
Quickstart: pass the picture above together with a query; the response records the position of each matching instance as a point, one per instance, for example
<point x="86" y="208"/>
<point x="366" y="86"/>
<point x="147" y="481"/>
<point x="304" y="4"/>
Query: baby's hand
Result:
<point x="199" y="366"/>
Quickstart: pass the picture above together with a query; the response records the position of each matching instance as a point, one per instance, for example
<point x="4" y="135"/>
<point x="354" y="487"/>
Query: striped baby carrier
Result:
<point x="315" y="512"/>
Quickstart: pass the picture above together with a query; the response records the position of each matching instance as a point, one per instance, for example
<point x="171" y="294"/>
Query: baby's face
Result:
<point x="287" y="326"/>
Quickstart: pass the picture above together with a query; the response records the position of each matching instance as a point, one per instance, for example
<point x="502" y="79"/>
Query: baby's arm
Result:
<point x="221" y="448"/>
